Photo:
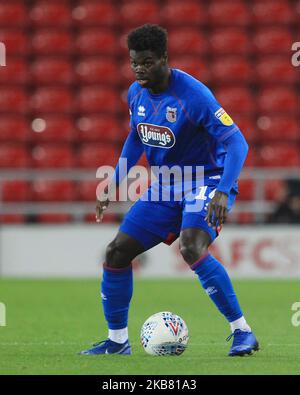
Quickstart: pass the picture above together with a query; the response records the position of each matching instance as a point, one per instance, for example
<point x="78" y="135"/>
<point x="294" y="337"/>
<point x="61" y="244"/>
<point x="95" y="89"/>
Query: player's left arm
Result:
<point x="209" y="114"/>
<point x="237" y="149"/>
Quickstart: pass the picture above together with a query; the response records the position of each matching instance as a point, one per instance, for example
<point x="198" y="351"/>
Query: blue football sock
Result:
<point x="217" y="285"/>
<point x="116" y="293"/>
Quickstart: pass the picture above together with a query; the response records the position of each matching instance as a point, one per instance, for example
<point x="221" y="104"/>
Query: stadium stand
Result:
<point x="63" y="96"/>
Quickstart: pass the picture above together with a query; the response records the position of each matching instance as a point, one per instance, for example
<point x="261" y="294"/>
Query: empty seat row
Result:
<point x="48" y="190"/>
<point x="58" y="99"/>
<point x="42" y="190"/>
<point x="240" y="100"/>
<point x="131" y="13"/>
<point x="94" y="155"/>
<point x="272" y="189"/>
<point x="190" y="41"/>
<point x="105" y="71"/>
<point x="53" y="218"/>
<point x="102" y="128"/>
<point x="58" y="156"/>
<point x="62" y="128"/>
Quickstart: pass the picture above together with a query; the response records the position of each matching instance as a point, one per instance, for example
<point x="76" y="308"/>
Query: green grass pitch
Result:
<point x="49" y="321"/>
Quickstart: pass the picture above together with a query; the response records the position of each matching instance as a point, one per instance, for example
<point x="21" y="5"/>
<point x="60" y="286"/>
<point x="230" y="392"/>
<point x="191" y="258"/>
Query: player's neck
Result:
<point x="163" y="84"/>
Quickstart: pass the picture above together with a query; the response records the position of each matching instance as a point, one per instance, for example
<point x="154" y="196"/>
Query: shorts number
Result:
<point x="202" y="192"/>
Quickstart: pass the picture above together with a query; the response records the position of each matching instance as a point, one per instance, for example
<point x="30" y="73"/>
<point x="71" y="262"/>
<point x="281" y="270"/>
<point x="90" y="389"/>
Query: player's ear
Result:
<point x="165" y="58"/>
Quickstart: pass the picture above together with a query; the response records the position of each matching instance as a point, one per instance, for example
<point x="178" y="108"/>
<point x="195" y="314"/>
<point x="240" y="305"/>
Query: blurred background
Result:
<point x="63" y="113"/>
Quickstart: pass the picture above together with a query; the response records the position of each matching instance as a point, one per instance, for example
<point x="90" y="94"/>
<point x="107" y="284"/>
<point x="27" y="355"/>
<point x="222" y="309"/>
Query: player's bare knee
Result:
<point x="191" y="252"/>
<point x="117" y="255"/>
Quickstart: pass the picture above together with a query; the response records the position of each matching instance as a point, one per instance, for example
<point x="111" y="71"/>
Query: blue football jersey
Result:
<point x="184" y="126"/>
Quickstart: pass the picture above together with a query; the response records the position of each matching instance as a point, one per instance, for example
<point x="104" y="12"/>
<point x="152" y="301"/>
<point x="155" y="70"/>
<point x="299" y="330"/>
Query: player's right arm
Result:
<point x="132" y="151"/>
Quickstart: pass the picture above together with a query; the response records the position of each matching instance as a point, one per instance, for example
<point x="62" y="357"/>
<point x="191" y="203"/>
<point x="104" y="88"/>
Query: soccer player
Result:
<point x="175" y="120"/>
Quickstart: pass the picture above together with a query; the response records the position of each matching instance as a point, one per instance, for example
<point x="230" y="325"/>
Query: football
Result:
<point x="164" y="333"/>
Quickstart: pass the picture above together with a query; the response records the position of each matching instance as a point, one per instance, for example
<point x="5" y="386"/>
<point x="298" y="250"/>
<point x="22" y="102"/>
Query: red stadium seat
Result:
<point x="272" y="41"/>
<point x="98" y="71"/>
<point x="13" y="14"/>
<point x="50" y="14"/>
<point x="12" y="219"/>
<point x="52" y="71"/>
<point x="274" y="189"/>
<point x="246" y="189"/>
<point x="14" y="156"/>
<point x="14" y="128"/>
<point x="278" y="127"/>
<point x="236" y="100"/>
<point x="245" y="218"/>
<point x="123" y="48"/>
<point x="16" y="72"/>
<point x="53" y="191"/>
<point x="125" y="128"/>
<point x="98" y="100"/>
<point x="87" y="190"/>
<point x="52" y="42"/>
<point x="278" y="100"/>
<point x="15" y="191"/>
<point x="107" y="218"/>
<point x="230" y="41"/>
<point x="126" y="74"/>
<point x="53" y="128"/>
<point x="49" y="100"/>
<point x="187" y="13"/>
<point x="99" y="128"/>
<point x="53" y="156"/>
<point x="53" y="218"/>
<point x="279" y="155"/>
<point x="136" y="13"/>
<point x="192" y="65"/>
<point x="13" y="100"/>
<point x="188" y="41"/>
<point x="95" y="14"/>
<point x="297" y="10"/>
<point x="124" y="105"/>
<point x="92" y="41"/>
<point x="247" y="126"/>
<point x="95" y="155"/>
<point x="15" y="41"/>
<point x="276" y="69"/>
<point x="231" y="70"/>
<point x="223" y="13"/>
<point x="269" y="12"/>
<point x="252" y="159"/>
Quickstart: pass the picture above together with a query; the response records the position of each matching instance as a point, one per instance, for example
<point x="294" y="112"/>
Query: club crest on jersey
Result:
<point x="171" y="114"/>
<point x="222" y="115"/>
<point x="156" y="135"/>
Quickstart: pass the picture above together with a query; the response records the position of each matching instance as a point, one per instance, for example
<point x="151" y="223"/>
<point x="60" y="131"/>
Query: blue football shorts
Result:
<point x="153" y="222"/>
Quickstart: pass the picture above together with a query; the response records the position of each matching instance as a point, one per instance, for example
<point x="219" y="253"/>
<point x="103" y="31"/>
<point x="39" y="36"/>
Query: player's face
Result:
<point x="148" y="68"/>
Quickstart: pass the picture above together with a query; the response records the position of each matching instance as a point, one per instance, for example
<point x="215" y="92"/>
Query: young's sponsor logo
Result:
<point x="156" y="135"/>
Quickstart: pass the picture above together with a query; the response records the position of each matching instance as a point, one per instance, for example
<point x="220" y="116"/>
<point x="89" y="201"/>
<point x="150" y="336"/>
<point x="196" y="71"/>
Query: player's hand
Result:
<point x="101" y="206"/>
<point x="217" y="210"/>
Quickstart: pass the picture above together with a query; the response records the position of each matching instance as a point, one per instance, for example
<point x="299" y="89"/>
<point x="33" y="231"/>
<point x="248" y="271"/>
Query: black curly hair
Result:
<point x="148" y="37"/>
